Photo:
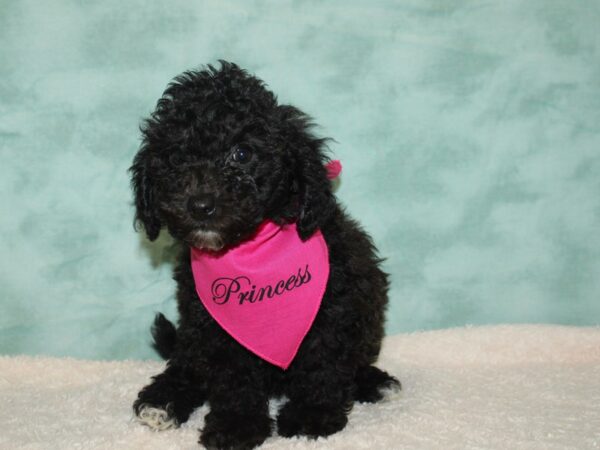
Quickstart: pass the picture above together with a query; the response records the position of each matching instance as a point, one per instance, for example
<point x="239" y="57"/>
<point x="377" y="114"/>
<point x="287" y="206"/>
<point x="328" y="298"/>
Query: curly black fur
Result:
<point x="219" y="156"/>
<point x="165" y="336"/>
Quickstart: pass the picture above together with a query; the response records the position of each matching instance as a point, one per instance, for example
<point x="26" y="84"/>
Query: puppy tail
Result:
<point x="165" y="336"/>
<point x="371" y="382"/>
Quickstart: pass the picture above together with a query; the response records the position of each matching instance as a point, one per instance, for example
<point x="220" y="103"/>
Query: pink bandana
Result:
<point x="266" y="291"/>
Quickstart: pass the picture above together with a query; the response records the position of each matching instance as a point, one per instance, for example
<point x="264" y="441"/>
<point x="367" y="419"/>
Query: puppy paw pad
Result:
<point x="391" y="391"/>
<point x="156" y="418"/>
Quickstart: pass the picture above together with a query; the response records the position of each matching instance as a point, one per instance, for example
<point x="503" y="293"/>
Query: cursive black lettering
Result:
<point x="307" y="276"/>
<point x="223" y="288"/>
<point x="244" y="296"/>
<point x="279" y="287"/>
<point x="248" y="296"/>
<point x="264" y="290"/>
<point x="290" y="283"/>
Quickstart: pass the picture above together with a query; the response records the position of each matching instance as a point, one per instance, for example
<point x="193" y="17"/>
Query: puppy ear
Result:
<point x="317" y="203"/>
<point x="146" y="212"/>
<point x="315" y="199"/>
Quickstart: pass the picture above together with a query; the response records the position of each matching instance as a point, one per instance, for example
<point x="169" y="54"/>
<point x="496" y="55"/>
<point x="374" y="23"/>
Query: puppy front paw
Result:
<point x="156" y="418"/>
<point x="162" y="406"/>
<point x="313" y="421"/>
<point x="234" y="432"/>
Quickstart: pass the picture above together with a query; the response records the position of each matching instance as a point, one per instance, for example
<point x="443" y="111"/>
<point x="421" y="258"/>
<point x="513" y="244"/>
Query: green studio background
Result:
<point x="469" y="133"/>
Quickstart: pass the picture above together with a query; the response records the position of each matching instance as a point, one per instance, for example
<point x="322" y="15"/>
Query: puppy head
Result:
<point x="219" y="155"/>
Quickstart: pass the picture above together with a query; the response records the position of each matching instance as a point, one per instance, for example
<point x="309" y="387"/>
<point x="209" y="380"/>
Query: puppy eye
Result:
<point x="241" y="154"/>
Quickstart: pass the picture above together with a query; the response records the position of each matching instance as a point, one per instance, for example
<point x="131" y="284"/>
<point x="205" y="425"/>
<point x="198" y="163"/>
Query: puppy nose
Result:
<point x="202" y="205"/>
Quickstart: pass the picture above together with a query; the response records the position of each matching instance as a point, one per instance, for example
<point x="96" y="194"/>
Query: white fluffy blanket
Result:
<point x="502" y="387"/>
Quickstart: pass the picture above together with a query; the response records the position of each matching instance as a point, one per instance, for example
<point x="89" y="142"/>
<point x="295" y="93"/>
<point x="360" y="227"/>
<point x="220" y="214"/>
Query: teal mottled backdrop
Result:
<point x="469" y="133"/>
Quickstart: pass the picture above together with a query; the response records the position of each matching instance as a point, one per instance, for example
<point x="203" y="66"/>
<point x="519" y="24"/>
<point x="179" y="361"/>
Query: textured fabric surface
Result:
<point x="504" y="387"/>
<point x="469" y="133"/>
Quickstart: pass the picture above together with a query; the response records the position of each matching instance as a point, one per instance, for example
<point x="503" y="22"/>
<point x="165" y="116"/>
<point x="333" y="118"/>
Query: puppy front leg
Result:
<point x="319" y="402"/>
<point x="239" y="415"/>
<point x="169" y="400"/>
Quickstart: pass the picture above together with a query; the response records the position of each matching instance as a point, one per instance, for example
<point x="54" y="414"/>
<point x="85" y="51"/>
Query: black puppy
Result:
<point x="220" y="157"/>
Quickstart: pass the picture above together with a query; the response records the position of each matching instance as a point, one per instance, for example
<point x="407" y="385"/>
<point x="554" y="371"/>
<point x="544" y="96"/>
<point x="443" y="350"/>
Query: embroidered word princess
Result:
<point x="224" y="288"/>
